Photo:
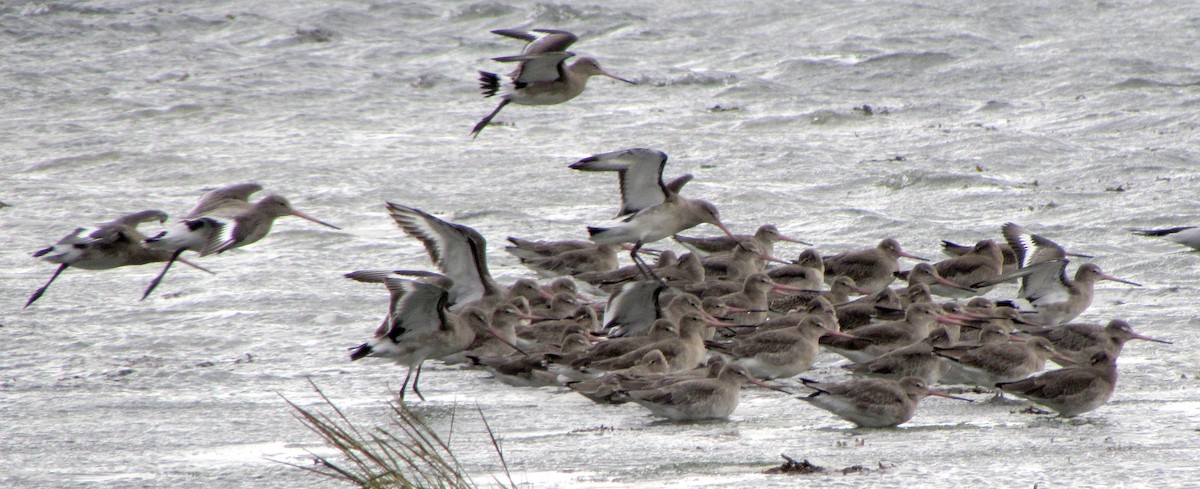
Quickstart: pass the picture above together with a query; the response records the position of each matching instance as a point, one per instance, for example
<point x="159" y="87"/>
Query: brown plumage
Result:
<point x="1070" y="391"/>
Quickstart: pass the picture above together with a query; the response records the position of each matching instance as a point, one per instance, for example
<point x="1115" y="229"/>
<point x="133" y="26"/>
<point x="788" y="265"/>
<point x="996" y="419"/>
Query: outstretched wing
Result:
<point x="537" y="68"/>
<point x="417" y="307"/>
<point x="457" y="250"/>
<point x="1044" y="282"/>
<point x="544" y="41"/>
<point x="223" y="196"/>
<point x="640" y="171"/>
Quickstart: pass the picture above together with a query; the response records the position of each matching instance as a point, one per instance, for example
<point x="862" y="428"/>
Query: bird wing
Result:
<point x="457" y="250"/>
<point x="136" y="218"/>
<point x="1047" y="250"/>
<point x="633" y="309"/>
<point x="1047" y="284"/>
<point x="951" y="248"/>
<point x="640" y="171"/>
<point x="216" y="198"/>
<point x="1014" y="235"/>
<point x="381" y="276"/>
<point x="537" y="68"/>
<point x="995" y="358"/>
<point x="1070" y="337"/>
<point x="767" y="343"/>
<point x="106" y="234"/>
<point x="546" y="40"/>
<point x="232" y="233"/>
<point x="1044" y="249"/>
<point x="221" y="233"/>
<point x="417" y="307"/>
<point x="852" y="264"/>
<point x="1053" y="384"/>
<point x="1043" y="282"/>
<point x="874" y="392"/>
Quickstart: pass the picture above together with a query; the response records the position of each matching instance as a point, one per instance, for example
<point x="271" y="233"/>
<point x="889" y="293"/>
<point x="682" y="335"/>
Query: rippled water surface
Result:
<point x="1076" y="119"/>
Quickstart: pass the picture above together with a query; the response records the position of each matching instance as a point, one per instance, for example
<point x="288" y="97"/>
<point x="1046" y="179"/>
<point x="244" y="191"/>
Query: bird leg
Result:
<point x="641" y="265"/>
<point x="404" y="386"/>
<point x="488" y="120"/>
<point x="38" y="293"/>
<point x="154" y="283"/>
<point x="418" y="379"/>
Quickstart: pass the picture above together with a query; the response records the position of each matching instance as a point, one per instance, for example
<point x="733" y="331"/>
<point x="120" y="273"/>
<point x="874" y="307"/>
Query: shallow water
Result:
<point x="1077" y="120"/>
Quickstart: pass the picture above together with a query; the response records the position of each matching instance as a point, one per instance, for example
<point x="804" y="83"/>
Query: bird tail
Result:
<point x="592" y="231"/>
<point x="360" y="351"/>
<point x="61" y="253"/>
<point x="489" y="83"/>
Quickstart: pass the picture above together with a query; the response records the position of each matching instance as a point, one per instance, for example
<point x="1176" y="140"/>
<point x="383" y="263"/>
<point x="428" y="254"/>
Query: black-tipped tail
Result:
<point x="360" y="351"/>
<point x="592" y="231"/>
<point x="42" y="252"/>
<point x="489" y="83"/>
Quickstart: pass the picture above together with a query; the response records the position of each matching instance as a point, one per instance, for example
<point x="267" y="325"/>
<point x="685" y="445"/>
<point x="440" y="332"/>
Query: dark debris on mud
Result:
<point x="793" y="467"/>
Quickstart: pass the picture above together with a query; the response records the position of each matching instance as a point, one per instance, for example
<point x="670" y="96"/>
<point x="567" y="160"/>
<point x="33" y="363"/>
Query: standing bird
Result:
<point x="1080" y="340"/>
<point x="872" y="268"/>
<point x="1070" y="391"/>
<point x="598" y="259"/>
<point x="915" y="360"/>
<point x="224" y="219"/>
<point x="807" y="272"/>
<point x="110" y="245"/>
<point x="872" y="403"/>
<point x="657" y="209"/>
<point x="542" y="76"/>
<point x="838" y="294"/>
<point x="875" y="339"/>
<point x="698" y="399"/>
<point x="983" y="262"/>
<point x="998" y="361"/>
<point x="765" y="237"/>
<point x="779" y="353"/>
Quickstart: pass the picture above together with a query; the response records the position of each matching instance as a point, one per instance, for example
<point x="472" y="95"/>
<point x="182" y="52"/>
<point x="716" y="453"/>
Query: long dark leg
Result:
<point x="404" y="386"/>
<point x="154" y="283"/>
<point x="641" y="264"/>
<point x="488" y="120"/>
<point x="418" y="379"/>
<point x="38" y="293"/>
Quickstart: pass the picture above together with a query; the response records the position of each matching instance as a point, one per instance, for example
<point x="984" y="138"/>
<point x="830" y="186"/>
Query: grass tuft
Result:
<point x="402" y="454"/>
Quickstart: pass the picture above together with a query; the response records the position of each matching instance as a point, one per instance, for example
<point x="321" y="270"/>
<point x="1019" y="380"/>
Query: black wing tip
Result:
<point x="1160" y="232"/>
<point x="392" y="206"/>
<point x="592" y="231"/>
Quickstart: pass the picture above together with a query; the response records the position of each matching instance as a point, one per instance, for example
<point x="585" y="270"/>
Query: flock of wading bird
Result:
<point x="682" y="335"/>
